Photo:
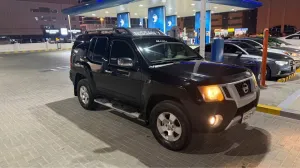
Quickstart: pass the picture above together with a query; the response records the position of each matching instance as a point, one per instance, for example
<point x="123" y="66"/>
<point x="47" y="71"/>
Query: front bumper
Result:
<point x="231" y="109"/>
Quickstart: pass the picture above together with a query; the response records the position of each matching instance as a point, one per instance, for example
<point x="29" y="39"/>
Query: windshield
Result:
<point x="158" y="50"/>
<point x="277" y="42"/>
<point x="249" y="48"/>
<point x="273" y="42"/>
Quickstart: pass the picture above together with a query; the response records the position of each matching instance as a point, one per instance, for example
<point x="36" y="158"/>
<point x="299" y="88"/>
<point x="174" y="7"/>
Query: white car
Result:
<point x="293" y="39"/>
<point x="258" y="43"/>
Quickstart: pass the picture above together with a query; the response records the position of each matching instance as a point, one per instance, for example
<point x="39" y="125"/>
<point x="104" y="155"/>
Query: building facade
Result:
<point x="32" y="17"/>
<point x="280" y="16"/>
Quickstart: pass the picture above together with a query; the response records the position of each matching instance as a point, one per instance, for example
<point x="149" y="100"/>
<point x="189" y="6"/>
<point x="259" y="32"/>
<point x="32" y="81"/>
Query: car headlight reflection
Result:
<point x="211" y="93"/>
<point x="281" y="63"/>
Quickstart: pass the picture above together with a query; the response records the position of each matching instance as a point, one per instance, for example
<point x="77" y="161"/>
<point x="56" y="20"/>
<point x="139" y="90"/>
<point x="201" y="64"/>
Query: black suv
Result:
<point x="157" y="79"/>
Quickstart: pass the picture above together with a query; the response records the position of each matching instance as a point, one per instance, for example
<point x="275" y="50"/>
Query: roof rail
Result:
<point x="118" y="30"/>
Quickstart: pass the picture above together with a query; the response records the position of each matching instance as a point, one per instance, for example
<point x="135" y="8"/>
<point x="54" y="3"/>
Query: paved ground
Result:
<point x="43" y="125"/>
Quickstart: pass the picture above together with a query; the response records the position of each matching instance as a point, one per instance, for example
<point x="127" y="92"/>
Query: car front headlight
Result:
<point x="211" y="93"/>
<point x="287" y="53"/>
<point x="281" y="63"/>
<point x="295" y="54"/>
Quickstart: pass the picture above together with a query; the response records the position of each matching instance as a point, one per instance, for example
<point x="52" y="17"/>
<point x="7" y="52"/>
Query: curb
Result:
<point x="33" y="51"/>
<point x="278" y="111"/>
<point x="288" y="77"/>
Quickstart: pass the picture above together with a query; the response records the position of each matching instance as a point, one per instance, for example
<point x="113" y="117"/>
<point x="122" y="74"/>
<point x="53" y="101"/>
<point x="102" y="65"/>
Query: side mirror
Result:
<point x="125" y="62"/>
<point x="239" y="53"/>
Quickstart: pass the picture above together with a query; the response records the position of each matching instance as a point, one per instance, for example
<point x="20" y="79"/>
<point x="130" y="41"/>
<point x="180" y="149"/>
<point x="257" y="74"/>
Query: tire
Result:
<point x="85" y="96"/>
<point x="175" y="141"/>
<point x="269" y="74"/>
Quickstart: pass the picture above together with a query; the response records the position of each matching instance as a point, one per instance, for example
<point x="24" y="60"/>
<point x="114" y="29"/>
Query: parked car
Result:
<point x="293" y="39"/>
<point x="275" y="46"/>
<point x="241" y="53"/>
<point x="161" y="81"/>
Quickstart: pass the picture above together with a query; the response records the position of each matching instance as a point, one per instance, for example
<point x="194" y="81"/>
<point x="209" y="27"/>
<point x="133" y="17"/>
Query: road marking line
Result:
<point x="288" y="101"/>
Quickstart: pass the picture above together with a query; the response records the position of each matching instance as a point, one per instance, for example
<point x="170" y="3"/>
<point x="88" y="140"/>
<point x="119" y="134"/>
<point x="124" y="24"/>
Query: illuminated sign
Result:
<point x="207" y="27"/>
<point x="64" y="31"/>
<point x="123" y="20"/>
<point x="170" y="22"/>
<point x="230" y="30"/>
<point x="156" y="18"/>
<point x="52" y="31"/>
<point x="74" y="31"/>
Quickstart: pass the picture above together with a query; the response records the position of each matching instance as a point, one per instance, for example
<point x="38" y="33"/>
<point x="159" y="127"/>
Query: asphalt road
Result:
<point x="43" y="125"/>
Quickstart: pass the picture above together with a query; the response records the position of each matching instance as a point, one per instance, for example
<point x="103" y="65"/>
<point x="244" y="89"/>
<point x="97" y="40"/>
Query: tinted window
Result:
<point x="91" y="48"/>
<point x="294" y="37"/>
<point x="249" y="48"/>
<point x="252" y="43"/>
<point x="158" y="50"/>
<point x="100" y="49"/>
<point x="120" y="49"/>
<point x="228" y="48"/>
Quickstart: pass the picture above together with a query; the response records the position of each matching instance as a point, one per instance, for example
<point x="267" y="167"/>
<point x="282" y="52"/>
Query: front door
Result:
<point x="124" y="83"/>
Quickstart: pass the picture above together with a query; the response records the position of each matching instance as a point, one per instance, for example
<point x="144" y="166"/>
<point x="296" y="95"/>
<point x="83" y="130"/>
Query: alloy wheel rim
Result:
<point x="169" y="126"/>
<point x="84" y="96"/>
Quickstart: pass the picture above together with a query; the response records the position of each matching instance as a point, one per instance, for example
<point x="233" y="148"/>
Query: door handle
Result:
<point x="124" y="72"/>
<point x="107" y="71"/>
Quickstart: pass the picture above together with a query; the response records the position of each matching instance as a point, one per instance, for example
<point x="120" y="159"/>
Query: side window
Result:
<point x="120" y="49"/>
<point x="254" y="44"/>
<point x="100" y="49"/>
<point x="231" y="49"/>
<point x="296" y="37"/>
<point x="208" y="48"/>
<point x="91" y="48"/>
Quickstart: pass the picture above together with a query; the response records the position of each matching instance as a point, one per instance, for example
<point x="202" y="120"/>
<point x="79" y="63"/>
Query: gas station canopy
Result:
<point x="139" y="8"/>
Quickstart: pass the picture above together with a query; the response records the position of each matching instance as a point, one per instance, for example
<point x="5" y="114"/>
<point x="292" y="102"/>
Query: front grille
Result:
<point x="226" y="92"/>
<point x="243" y="88"/>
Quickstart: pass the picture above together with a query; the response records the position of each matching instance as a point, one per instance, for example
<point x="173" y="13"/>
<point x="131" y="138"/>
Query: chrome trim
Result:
<point x="235" y="96"/>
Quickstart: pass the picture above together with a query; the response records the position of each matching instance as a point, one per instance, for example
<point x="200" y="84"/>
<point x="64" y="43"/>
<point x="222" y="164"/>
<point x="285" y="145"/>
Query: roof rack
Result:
<point x="119" y="30"/>
<point x="128" y="31"/>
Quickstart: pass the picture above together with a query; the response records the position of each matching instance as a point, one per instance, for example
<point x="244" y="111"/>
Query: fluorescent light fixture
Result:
<point x="141" y="5"/>
<point x="93" y="14"/>
<point x="232" y="9"/>
<point x="216" y="7"/>
<point x="135" y="13"/>
<point x="106" y="12"/>
<point x="194" y="10"/>
<point x="193" y="4"/>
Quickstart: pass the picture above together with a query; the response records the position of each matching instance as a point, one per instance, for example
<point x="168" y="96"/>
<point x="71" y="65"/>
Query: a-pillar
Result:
<point x="156" y="18"/>
<point x="123" y="20"/>
<point x="207" y="27"/>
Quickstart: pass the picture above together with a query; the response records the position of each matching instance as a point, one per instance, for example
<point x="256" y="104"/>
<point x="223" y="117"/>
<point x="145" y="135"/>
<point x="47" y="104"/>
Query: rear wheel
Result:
<point x="170" y="126"/>
<point x="85" y="95"/>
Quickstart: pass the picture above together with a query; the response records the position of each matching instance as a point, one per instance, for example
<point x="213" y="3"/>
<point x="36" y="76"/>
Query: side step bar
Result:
<point x="121" y="109"/>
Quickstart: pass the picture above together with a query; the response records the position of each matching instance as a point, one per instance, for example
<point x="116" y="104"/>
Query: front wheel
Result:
<point x="170" y="126"/>
<point x="85" y="95"/>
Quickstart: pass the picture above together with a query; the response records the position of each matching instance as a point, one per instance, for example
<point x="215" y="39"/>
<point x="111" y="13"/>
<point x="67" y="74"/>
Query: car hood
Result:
<point x="277" y="56"/>
<point x="200" y="71"/>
